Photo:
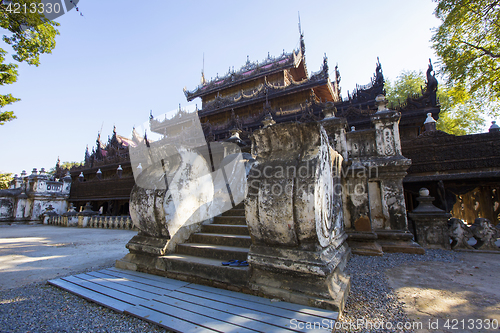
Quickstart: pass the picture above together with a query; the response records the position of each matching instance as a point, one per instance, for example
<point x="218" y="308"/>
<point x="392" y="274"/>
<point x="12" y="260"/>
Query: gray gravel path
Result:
<point x="372" y="302"/>
<point x="40" y="307"/>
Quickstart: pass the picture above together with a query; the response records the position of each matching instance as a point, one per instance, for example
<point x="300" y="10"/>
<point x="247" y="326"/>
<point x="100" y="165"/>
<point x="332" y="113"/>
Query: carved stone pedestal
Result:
<point x="431" y="223"/>
<point x="147" y="212"/>
<point x="364" y="243"/>
<point x="295" y="217"/>
<point x="314" y="278"/>
<point x="398" y="241"/>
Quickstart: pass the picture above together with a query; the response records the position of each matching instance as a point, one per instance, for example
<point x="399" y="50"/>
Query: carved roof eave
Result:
<point x="272" y="93"/>
<point x="331" y="90"/>
<point x="178" y="118"/>
<point x="315" y="110"/>
<point x="232" y="79"/>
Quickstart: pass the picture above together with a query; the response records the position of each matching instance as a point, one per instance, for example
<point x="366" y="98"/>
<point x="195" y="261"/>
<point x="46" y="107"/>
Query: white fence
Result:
<point x="104" y="222"/>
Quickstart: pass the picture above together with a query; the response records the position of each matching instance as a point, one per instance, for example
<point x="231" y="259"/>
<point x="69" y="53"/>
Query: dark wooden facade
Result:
<point x="105" y="179"/>
<point x="462" y="172"/>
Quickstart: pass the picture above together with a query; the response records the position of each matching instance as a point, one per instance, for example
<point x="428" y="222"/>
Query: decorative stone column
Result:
<point x="393" y="235"/>
<point x="336" y="128"/>
<point x="431" y="223"/>
<point x="295" y="218"/>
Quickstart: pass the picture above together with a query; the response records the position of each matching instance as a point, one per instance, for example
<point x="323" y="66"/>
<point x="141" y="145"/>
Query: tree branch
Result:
<point x="486" y="51"/>
<point x="483" y="16"/>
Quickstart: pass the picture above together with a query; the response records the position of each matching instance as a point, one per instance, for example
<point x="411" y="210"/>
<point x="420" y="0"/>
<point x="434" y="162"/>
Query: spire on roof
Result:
<point x="300" y="28"/>
<point x="87" y="155"/>
<point x="337" y="80"/>
<point x="302" y="44"/>
<point x="203" y="81"/>
<point x="379" y="76"/>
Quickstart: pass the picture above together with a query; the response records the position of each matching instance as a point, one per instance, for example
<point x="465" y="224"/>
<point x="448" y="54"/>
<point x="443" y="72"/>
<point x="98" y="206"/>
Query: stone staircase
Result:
<point x="200" y="258"/>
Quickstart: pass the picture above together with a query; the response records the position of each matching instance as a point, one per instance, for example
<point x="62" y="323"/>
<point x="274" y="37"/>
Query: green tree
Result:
<point x="457" y="116"/>
<point x="408" y="83"/>
<point x="69" y="165"/>
<point x="29" y="35"/>
<point x="64" y="165"/>
<point x="468" y="43"/>
<point x="5" y="179"/>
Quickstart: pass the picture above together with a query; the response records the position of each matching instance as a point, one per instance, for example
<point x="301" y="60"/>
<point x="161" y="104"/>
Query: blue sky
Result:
<point x="125" y="58"/>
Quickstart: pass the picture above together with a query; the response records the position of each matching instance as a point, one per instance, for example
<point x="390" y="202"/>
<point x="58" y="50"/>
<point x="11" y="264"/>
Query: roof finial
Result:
<point x="300" y="28"/>
<point x="302" y="44"/>
<point x="203" y="81"/>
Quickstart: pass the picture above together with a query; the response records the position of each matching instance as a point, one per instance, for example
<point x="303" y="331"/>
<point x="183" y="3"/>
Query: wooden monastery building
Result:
<point x="462" y="172"/>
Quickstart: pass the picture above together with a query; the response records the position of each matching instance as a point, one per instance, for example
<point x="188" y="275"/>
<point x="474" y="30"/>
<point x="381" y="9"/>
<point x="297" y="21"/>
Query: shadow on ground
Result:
<point x="451" y="297"/>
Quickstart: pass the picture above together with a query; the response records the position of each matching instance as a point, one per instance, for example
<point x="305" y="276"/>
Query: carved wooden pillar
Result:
<point x="294" y="217"/>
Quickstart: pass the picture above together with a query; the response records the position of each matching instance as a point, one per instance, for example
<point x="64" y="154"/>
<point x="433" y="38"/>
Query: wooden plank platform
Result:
<point x="186" y="307"/>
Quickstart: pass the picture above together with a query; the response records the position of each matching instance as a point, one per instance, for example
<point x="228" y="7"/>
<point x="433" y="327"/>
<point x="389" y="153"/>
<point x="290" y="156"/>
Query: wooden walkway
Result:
<point x="187" y="307"/>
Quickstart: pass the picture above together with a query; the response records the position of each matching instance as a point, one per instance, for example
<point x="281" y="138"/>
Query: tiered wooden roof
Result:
<point x="280" y="86"/>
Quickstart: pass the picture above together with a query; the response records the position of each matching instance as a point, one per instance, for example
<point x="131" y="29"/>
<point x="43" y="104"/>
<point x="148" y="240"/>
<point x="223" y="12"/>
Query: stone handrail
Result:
<point x="111" y="222"/>
<point x="104" y="222"/>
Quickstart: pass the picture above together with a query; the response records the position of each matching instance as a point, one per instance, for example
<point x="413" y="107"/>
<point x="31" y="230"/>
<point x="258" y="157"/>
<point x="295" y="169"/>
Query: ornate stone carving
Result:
<point x="460" y="234"/>
<point x="485" y="234"/>
<point x="295" y="216"/>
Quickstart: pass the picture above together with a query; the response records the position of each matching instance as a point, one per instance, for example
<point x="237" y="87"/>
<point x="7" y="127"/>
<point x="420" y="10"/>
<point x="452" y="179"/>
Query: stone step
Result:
<point x="220" y="239"/>
<point x="241" y="205"/>
<point x="234" y="212"/>
<point x="234" y="229"/>
<point x="220" y="252"/>
<point x="206" y="268"/>
<point x="240" y="220"/>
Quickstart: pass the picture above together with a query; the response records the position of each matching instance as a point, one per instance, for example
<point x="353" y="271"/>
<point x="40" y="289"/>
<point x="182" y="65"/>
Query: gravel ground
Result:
<point x="39" y="307"/>
<point x="43" y="308"/>
<point x="372" y="302"/>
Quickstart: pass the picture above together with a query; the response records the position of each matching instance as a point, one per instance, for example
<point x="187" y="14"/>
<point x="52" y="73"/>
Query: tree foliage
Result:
<point x="29" y="35"/>
<point x="5" y="179"/>
<point x="457" y="116"/>
<point x="468" y="43"/>
<point x="69" y="165"/>
<point x="64" y="166"/>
